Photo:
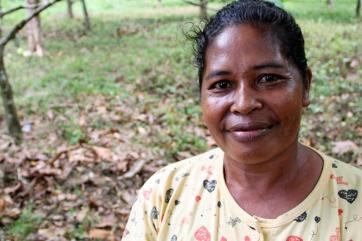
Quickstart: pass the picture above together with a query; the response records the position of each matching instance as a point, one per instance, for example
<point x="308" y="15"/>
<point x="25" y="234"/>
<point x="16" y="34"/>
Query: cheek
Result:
<point x="208" y="114"/>
<point x="287" y="105"/>
<point x="292" y="98"/>
<point x="289" y="110"/>
<point x="213" y="111"/>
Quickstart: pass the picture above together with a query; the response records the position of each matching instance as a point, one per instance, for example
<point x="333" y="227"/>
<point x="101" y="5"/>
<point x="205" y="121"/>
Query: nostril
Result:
<point x="245" y="103"/>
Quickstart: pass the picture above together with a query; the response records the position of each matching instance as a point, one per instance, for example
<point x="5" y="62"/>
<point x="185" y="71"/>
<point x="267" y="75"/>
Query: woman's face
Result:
<point x="251" y="96"/>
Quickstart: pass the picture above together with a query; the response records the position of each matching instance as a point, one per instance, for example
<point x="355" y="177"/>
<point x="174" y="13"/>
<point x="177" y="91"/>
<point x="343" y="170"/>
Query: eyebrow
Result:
<point x="255" y="67"/>
<point x="217" y="73"/>
<point x="268" y="65"/>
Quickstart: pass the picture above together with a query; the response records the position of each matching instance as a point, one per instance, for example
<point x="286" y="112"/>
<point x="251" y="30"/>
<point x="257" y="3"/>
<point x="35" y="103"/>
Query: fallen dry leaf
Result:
<point x="12" y="189"/>
<point x="82" y="120"/>
<point x="135" y="168"/>
<point x="50" y="233"/>
<point x="129" y="196"/>
<point x="2" y="205"/>
<point x="359" y="160"/>
<point x="50" y="114"/>
<point x="341" y="147"/>
<point x="122" y="166"/>
<point x="354" y="63"/>
<point x="107" y="221"/>
<point x="104" y="154"/>
<point x="97" y="233"/>
<point x="102" y="109"/>
<point x="82" y="214"/>
<point x="13" y="213"/>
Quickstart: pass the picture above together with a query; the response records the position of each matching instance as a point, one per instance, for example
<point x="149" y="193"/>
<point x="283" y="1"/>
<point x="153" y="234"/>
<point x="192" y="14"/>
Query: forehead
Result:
<point x="243" y="45"/>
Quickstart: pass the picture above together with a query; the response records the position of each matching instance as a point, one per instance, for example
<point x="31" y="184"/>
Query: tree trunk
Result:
<point x="70" y="8"/>
<point x="203" y="9"/>
<point x="330" y="4"/>
<point x="358" y="8"/>
<point x="11" y="117"/>
<point x="87" y="24"/>
<point x="35" y="44"/>
<point x="1" y="19"/>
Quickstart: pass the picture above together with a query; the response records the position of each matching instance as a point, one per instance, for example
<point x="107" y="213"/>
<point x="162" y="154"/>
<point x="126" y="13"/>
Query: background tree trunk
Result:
<point x="70" y="8"/>
<point x="35" y="45"/>
<point x="87" y="24"/>
<point x="330" y="4"/>
<point x="358" y="8"/>
<point x="203" y="9"/>
<point x="11" y="117"/>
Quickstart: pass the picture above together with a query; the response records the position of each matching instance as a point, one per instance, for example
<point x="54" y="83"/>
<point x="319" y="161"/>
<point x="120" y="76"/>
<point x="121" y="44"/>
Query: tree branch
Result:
<point x="4" y="40"/>
<point x="2" y="14"/>
<point x="198" y="5"/>
<point x="192" y="3"/>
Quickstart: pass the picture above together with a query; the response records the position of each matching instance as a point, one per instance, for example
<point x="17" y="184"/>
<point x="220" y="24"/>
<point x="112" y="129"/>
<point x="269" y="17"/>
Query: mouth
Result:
<point x="247" y="132"/>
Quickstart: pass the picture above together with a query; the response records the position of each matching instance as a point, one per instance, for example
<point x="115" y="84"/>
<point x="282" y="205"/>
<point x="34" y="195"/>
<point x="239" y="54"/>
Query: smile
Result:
<point x="249" y="132"/>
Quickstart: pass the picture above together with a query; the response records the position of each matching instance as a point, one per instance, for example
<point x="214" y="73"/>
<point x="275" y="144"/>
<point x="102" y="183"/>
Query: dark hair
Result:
<point x="261" y="14"/>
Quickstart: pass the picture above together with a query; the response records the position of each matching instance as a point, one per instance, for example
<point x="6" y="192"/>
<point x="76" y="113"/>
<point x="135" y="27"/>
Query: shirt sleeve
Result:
<point x="144" y="220"/>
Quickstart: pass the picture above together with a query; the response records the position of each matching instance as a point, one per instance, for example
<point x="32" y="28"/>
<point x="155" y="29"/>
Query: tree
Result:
<point x="11" y="117"/>
<point x="87" y="24"/>
<point x="358" y="8"/>
<point x="202" y="4"/>
<point x="35" y="43"/>
<point x="203" y="9"/>
<point x="70" y="8"/>
<point x="330" y="4"/>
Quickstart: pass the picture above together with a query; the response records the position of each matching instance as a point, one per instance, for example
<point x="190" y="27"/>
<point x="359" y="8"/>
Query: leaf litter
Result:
<point x="90" y="185"/>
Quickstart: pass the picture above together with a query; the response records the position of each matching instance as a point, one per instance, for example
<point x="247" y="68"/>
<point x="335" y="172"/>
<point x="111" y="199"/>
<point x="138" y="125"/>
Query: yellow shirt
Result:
<point x="189" y="200"/>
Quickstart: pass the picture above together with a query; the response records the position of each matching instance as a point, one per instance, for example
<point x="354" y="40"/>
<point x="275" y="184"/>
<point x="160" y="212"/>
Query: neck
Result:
<point x="281" y="171"/>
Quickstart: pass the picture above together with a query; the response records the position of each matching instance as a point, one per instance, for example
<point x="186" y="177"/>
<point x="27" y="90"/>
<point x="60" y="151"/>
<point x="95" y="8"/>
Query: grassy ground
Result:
<point x="130" y="87"/>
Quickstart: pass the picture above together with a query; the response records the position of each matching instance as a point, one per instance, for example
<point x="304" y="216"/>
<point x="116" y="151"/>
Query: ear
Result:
<point x="306" y="89"/>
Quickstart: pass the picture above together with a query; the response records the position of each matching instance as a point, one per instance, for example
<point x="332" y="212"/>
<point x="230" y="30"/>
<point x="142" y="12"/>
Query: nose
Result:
<point x="245" y="100"/>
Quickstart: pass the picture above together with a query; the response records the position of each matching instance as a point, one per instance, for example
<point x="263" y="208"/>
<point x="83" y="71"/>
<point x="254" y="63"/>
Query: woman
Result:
<point x="261" y="183"/>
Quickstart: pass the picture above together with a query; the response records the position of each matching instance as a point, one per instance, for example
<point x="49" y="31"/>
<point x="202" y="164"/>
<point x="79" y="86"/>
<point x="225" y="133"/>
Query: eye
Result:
<point x="221" y="85"/>
<point x="269" y="79"/>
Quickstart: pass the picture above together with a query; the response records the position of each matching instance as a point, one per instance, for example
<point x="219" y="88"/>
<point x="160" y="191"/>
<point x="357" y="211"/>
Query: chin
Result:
<point x="256" y="151"/>
<point x="247" y="156"/>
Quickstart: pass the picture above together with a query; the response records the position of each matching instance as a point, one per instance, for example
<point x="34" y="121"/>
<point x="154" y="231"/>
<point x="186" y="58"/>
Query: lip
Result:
<point x="248" y="132"/>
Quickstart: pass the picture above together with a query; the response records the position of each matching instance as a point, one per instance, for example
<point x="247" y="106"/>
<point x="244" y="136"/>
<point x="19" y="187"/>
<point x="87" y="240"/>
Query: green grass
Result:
<point x="26" y="224"/>
<point x="342" y="11"/>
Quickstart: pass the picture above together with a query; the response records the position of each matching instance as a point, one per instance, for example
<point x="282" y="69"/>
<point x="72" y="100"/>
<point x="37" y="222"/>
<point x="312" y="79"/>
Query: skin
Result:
<point x="252" y="99"/>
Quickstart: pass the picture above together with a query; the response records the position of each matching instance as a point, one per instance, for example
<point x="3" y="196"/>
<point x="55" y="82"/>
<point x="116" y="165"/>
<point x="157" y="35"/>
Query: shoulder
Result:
<point x="175" y="175"/>
<point x="342" y="170"/>
<point x="339" y="170"/>
<point x="345" y="187"/>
